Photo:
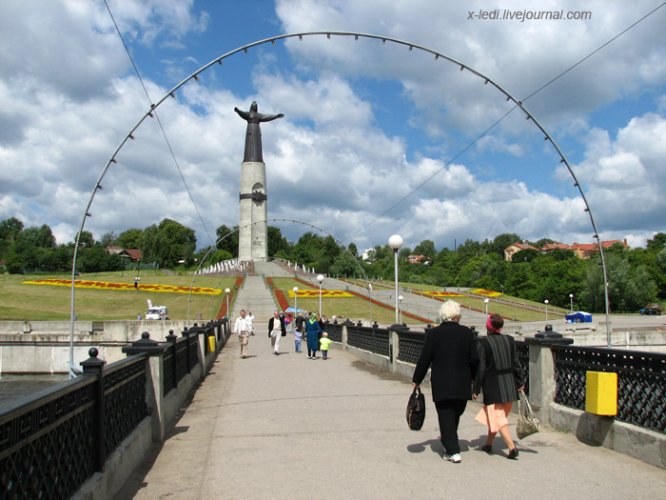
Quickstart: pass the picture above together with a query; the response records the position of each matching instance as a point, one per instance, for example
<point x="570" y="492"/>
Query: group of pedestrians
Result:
<point x="464" y="366"/>
<point x="280" y="325"/>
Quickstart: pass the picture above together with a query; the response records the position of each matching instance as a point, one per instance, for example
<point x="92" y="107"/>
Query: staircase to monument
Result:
<point x="255" y="296"/>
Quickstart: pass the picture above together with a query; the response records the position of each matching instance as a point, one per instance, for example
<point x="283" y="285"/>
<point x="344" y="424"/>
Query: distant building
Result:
<point x="580" y="250"/>
<point x="587" y="250"/>
<point x="417" y="259"/>
<point x="514" y="248"/>
<point x="133" y="254"/>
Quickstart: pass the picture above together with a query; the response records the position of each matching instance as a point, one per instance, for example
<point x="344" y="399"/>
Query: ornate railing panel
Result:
<point x="124" y="399"/>
<point x="46" y="448"/>
<point x="524" y="357"/>
<point x="370" y="339"/>
<point x="334" y="331"/>
<point x="182" y="357"/>
<point x="641" y="381"/>
<point x="193" y="350"/>
<point x="168" y="370"/>
<point x="410" y="345"/>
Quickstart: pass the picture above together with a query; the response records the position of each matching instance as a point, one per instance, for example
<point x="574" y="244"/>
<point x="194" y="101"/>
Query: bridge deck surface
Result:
<point x="287" y="427"/>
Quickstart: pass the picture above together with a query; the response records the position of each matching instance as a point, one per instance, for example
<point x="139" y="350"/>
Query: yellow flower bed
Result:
<point x="485" y="293"/>
<point x="442" y="294"/>
<point x="334" y="294"/>
<point x="144" y="287"/>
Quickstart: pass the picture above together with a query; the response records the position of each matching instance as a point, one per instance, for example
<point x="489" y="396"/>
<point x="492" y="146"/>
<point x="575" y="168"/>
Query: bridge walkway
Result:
<point x="286" y="427"/>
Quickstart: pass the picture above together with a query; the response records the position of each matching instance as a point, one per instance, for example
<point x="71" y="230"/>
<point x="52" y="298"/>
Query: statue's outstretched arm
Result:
<point x="268" y="118"/>
<point x="243" y="114"/>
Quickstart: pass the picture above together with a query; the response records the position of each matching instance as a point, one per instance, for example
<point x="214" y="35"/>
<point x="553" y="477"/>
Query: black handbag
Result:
<point x="416" y="410"/>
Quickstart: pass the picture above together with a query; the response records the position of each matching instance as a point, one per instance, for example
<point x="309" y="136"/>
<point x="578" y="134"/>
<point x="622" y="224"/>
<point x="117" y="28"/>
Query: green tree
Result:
<point x="169" y="244"/>
<point x="227" y="239"/>
<point x="657" y="243"/>
<point x="502" y="241"/>
<point x="86" y="239"/>
<point x="426" y="248"/>
<point x="277" y="244"/>
<point x="130" y="238"/>
<point x="345" y="265"/>
<point x="9" y="231"/>
<point x="109" y="239"/>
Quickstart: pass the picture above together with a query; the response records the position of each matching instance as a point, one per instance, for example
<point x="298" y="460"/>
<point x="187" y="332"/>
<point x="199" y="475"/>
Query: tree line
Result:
<point x="636" y="277"/>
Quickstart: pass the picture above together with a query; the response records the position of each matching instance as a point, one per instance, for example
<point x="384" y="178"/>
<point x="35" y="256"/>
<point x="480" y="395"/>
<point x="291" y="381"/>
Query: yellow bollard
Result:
<point x="601" y="393"/>
<point x="211" y="343"/>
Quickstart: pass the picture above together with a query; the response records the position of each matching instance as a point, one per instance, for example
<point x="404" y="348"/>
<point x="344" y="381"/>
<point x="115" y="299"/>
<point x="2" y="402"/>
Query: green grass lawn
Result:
<point x="353" y="308"/>
<point x="506" y="305"/>
<point x="43" y="302"/>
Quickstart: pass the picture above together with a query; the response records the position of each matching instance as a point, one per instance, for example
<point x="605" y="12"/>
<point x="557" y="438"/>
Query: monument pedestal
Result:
<point x="253" y="232"/>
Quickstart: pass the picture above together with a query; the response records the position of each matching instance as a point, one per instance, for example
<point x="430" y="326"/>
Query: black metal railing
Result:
<point x="192" y="351"/>
<point x="523" y="351"/>
<point x="169" y="369"/>
<point x="46" y="443"/>
<point x="334" y="331"/>
<point x="368" y="338"/>
<point x="124" y="399"/>
<point x="641" y="381"/>
<point x="51" y="443"/>
<point x="410" y="345"/>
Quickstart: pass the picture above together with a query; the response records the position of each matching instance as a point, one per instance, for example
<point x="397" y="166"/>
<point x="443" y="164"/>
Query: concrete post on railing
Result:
<point x="94" y="366"/>
<point x="394" y="344"/>
<point x="224" y="322"/>
<point x="345" y="334"/>
<point x="154" y="385"/>
<point x="542" y="370"/>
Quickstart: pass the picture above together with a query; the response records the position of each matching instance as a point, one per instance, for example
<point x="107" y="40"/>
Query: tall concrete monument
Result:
<point x="253" y="232"/>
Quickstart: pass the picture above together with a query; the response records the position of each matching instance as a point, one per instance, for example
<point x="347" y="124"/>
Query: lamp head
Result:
<point x="395" y="242"/>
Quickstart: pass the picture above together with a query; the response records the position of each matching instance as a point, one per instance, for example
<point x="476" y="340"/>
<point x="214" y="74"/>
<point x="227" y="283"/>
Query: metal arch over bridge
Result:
<point x="330" y="35"/>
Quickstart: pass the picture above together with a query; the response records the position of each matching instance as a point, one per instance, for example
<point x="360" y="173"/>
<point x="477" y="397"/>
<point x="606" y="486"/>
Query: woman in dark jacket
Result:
<point x="312" y="331"/>
<point x="449" y="350"/>
<point x="499" y="378"/>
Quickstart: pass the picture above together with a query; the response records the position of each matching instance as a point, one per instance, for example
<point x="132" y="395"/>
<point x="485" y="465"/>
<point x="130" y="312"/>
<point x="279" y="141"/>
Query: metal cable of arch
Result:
<point x="159" y="122"/>
<point x="272" y="40"/>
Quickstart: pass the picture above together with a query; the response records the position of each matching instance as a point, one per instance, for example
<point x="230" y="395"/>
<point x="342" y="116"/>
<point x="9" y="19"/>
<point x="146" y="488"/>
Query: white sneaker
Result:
<point x="455" y="458"/>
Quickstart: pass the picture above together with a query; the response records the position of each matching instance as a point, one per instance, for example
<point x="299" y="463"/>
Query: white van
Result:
<point x="156" y="312"/>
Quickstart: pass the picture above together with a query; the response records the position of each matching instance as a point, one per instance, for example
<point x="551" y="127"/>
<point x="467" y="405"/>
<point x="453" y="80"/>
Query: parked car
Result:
<point x="651" y="309"/>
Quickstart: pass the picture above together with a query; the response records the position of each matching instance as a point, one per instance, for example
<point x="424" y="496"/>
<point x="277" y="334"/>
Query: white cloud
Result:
<point x="332" y="161"/>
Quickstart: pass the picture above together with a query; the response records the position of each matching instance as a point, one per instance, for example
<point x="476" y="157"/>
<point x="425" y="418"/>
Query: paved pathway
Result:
<point x="285" y="427"/>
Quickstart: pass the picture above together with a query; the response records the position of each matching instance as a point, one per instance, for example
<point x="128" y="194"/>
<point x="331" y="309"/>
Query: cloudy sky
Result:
<point x="377" y="139"/>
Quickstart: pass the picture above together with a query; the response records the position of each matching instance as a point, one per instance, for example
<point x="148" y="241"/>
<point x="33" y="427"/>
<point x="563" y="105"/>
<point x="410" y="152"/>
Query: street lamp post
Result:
<point x="370" y="300"/>
<point x="546" y="302"/>
<point x="485" y="303"/>
<point x="571" y="300"/>
<point x="395" y="242"/>
<point x="320" y="278"/>
<point x="400" y="299"/>
<point x="227" y="291"/>
<point x="295" y="289"/>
